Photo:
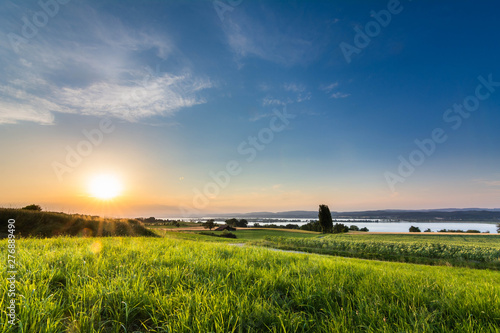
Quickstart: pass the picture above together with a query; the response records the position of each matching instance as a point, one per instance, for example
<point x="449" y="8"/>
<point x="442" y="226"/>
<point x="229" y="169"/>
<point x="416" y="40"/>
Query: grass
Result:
<point x="169" y="284"/>
<point x="243" y="235"/>
<point x="474" y="251"/>
<point x="48" y="224"/>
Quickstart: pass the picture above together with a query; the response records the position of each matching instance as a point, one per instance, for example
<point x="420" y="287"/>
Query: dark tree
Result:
<point x="339" y="228"/>
<point x="354" y="228"/>
<point x="312" y="226"/>
<point x="325" y="219"/>
<point x="498" y="228"/>
<point x="209" y="224"/>
<point x="242" y="223"/>
<point x="33" y="207"/>
<point x="414" y="229"/>
<point x="364" y="229"/>
<point x="232" y="222"/>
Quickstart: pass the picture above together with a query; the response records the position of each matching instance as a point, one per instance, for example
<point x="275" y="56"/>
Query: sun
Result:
<point x="105" y="186"/>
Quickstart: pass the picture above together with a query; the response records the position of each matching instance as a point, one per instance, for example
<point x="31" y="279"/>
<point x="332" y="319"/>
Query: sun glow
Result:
<point x="105" y="187"/>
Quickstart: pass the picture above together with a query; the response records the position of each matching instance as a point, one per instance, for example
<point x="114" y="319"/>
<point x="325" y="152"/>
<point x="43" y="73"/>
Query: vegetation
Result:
<point x="33" y="223"/>
<point x="414" y="229"/>
<point x="33" y="207"/>
<point x="325" y="219"/>
<point x="237" y="223"/>
<point x="312" y="226"/>
<point x="173" y="285"/>
<point x="152" y="221"/>
<point x="210" y="224"/>
<point x="467" y="251"/>
<point x="339" y="228"/>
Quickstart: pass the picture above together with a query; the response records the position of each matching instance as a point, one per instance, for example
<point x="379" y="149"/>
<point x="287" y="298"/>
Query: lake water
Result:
<point x="404" y="226"/>
<point x="378" y="225"/>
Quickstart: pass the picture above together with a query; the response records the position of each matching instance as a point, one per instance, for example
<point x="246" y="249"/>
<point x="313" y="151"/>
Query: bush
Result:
<point x="312" y="226"/>
<point x="354" y="228"/>
<point x="364" y="229"/>
<point x="414" y="229"/>
<point x="33" y="207"/>
<point x="227" y="234"/>
<point x="339" y="228"/>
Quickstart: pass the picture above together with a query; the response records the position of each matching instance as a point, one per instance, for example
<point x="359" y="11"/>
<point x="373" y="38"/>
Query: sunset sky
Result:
<point x="199" y="107"/>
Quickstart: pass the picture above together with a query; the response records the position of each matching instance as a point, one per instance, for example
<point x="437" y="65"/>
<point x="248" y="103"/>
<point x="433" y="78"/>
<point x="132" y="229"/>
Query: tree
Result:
<point x="235" y="223"/>
<point x="209" y="224"/>
<point x="242" y="223"/>
<point x="354" y="228"/>
<point x="232" y="222"/>
<point x="364" y="229"/>
<point x="33" y="207"/>
<point x="498" y="228"/>
<point x="312" y="226"/>
<point x="325" y="219"/>
<point x="339" y="228"/>
<point x="414" y="229"/>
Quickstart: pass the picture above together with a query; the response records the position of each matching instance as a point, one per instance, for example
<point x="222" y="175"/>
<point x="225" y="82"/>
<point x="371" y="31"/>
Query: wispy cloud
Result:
<point x="298" y="88"/>
<point x="488" y="182"/>
<point x="98" y="73"/>
<point x="267" y="39"/>
<point x="330" y="90"/>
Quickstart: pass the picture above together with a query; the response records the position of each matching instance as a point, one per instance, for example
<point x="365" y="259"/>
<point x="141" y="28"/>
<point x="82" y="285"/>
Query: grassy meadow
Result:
<point x="182" y="283"/>
<point x="474" y="251"/>
<point x="31" y="223"/>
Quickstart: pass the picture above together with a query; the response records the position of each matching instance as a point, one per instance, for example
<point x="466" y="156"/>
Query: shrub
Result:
<point x="414" y="229"/>
<point x="227" y="234"/>
<point x="339" y="227"/>
<point x="33" y="207"/>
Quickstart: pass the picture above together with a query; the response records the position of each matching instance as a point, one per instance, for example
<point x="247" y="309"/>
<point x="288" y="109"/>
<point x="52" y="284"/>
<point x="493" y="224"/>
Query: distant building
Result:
<point x="225" y="227"/>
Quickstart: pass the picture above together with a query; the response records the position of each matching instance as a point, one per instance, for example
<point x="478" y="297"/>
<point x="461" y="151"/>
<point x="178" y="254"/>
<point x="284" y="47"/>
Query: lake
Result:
<point x="378" y="225"/>
<point x="404" y="226"/>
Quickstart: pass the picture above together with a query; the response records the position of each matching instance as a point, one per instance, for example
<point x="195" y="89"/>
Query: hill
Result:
<point x="450" y="214"/>
<point x="49" y="224"/>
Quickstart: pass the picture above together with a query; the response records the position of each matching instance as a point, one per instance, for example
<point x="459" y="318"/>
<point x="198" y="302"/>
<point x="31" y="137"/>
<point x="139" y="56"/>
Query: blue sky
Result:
<point x="186" y="83"/>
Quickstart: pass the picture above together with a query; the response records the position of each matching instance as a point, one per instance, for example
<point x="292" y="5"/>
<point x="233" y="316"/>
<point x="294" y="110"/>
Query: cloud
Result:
<point x="487" y="182"/>
<point x="274" y="101"/>
<point x="289" y="93"/>
<point x="330" y="88"/>
<point x="267" y="39"/>
<point x="294" y="87"/>
<point x="162" y="95"/>
<point x="93" y="64"/>
<point x="339" y="95"/>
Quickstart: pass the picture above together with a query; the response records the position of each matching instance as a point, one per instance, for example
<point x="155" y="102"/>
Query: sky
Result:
<point x="188" y="108"/>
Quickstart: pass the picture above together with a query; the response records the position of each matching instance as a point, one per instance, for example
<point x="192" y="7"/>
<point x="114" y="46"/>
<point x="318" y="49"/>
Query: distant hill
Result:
<point x="50" y="224"/>
<point x="448" y="214"/>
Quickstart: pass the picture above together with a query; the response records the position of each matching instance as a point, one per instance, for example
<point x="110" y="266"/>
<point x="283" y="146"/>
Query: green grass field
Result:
<point x="474" y="251"/>
<point x="189" y="285"/>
